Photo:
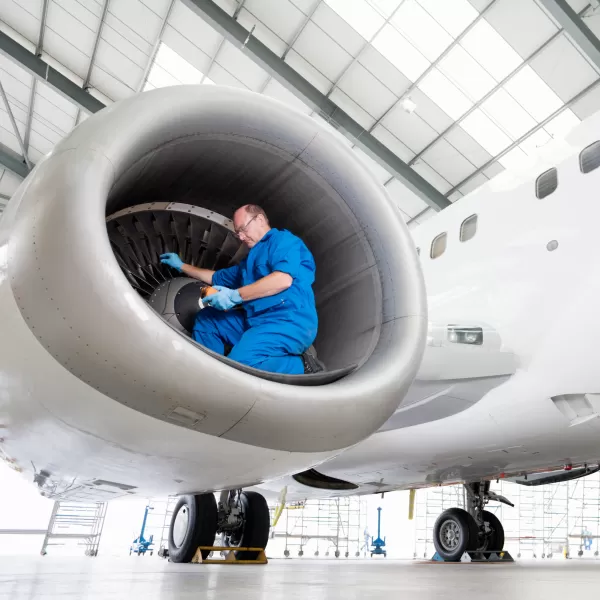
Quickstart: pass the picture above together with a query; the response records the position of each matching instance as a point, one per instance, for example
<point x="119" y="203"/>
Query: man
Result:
<point x="273" y="285"/>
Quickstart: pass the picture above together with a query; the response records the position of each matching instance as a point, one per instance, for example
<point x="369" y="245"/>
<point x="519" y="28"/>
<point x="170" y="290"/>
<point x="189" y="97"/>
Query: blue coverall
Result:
<point x="269" y="333"/>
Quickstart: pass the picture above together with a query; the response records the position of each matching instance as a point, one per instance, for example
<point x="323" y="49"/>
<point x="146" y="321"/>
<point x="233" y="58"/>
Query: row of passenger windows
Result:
<point x="468" y="229"/>
<point x="545" y="184"/>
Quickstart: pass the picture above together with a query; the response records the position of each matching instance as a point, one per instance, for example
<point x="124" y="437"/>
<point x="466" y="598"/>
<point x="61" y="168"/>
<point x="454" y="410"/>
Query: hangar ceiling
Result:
<point x="453" y="91"/>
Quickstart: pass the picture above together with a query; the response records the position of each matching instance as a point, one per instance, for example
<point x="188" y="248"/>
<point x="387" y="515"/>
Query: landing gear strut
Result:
<point x="241" y="518"/>
<point x="457" y="531"/>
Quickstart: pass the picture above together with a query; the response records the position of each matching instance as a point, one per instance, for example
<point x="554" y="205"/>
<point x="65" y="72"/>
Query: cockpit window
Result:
<point x="438" y="246"/>
<point x="468" y="229"/>
<point x="589" y="159"/>
<point x="546" y="183"/>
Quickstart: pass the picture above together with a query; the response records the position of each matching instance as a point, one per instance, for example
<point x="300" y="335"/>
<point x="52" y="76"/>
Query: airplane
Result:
<point x="447" y="351"/>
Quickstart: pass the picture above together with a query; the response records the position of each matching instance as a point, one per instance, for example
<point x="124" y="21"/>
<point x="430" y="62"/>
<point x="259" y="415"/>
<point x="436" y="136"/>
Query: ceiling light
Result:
<point x="408" y="105"/>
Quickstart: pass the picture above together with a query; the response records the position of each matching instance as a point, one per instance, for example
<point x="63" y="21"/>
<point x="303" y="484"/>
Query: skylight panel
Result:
<point x="454" y="16"/>
<point x="534" y="142"/>
<point x="470" y="77"/>
<point x="563" y="124"/>
<point x="445" y="94"/>
<point x="385" y="7"/>
<point x="506" y="112"/>
<point x="400" y="52"/>
<point x="176" y="66"/>
<point x="359" y="15"/>
<point x="158" y="77"/>
<point x="535" y="96"/>
<point x="421" y="29"/>
<point x="491" y="50"/>
<point x="483" y="130"/>
<point x="514" y="159"/>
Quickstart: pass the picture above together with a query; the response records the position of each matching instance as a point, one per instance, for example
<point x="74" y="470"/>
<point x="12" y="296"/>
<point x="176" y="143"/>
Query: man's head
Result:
<point x="251" y="224"/>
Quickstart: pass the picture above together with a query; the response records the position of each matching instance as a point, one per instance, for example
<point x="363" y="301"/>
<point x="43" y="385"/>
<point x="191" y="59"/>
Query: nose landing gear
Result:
<point x="457" y="531"/>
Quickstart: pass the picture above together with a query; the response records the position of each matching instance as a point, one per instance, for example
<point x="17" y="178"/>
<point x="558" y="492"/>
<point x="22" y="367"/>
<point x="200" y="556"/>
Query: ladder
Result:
<point x="164" y="532"/>
<point x="82" y="521"/>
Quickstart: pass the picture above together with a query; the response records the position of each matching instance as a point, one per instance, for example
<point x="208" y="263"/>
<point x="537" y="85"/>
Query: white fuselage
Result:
<point x="537" y="308"/>
<point x="539" y="305"/>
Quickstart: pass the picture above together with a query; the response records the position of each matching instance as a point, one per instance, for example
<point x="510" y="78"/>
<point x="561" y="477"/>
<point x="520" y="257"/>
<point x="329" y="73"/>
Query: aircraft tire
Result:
<point x="193" y="524"/>
<point x="495" y="541"/>
<point x="255" y="530"/>
<point x="454" y="532"/>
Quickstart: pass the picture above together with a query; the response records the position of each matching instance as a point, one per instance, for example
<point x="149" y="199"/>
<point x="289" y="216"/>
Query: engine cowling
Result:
<point x="172" y="165"/>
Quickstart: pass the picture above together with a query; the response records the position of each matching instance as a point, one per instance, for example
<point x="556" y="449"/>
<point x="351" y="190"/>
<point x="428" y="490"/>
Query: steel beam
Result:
<point x="478" y="104"/>
<point x="44" y="72"/>
<point x="86" y="82"/>
<point x="240" y="37"/>
<point x="497" y="87"/>
<point x="362" y="50"/>
<point x="15" y="127"/>
<point x="579" y="32"/>
<point x="156" y="46"/>
<point x="518" y="142"/>
<point x="213" y="58"/>
<point x="13" y="162"/>
<point x="38" y="52"/>
<point x="434" y="65"/>
<point x="298" y="33"/>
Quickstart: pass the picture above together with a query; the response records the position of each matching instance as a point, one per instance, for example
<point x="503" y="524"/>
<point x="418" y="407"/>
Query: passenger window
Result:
<point x="468" y="229"/>
<point x="546" y="183"/>
<point x="589" y="159"/>
<point x="438" y="246"/>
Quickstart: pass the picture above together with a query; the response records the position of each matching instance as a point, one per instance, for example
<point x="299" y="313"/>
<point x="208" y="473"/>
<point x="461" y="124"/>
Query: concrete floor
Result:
<point x="150" y="577"/>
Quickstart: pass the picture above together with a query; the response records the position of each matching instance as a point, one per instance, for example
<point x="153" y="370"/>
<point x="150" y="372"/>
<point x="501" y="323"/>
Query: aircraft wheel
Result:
<point x="455" y="532"/>
<point x="254" y="532"/>
<point x="193" y="524"/>
<point x="494" y="538"/>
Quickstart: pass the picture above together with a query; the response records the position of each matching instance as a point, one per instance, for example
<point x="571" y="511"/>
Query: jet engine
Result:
<point x="164" y="171"/>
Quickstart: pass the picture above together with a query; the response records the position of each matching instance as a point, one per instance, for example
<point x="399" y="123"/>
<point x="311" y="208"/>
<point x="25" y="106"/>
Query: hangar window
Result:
<point x="589" y="159"/>
<point x="546" y="183"/>
<point x="468" y="229"/>
<point x="438" y="246"/>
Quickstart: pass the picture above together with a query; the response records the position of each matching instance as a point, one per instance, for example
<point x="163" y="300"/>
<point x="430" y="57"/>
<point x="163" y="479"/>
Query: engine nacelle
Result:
<point x="72" y="271"/>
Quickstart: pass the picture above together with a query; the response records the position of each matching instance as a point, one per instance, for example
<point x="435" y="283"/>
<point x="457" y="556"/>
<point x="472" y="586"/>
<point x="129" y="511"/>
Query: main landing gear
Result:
<point x="457" y="531"/>
<point x="241" y="518"/>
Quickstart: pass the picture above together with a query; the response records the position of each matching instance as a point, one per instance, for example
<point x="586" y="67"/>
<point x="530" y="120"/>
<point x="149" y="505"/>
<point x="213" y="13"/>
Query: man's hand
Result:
<point x="171" y="259"/>
<point x="224" y="299"/>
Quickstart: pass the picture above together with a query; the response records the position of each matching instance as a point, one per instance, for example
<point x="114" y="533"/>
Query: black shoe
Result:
<point x="311" y="363"/>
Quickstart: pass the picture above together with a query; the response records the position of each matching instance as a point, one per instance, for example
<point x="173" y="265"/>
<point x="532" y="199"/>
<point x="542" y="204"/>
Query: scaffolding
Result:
<point x="79" y="521"/>
<point x="327" y="527"/>
<point x="159" y="521"/>
<point x="429" y="504"/>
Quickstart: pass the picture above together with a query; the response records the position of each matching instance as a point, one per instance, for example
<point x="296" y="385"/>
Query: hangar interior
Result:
<point x="435" y="97"/>
<point x="457" y="91"/>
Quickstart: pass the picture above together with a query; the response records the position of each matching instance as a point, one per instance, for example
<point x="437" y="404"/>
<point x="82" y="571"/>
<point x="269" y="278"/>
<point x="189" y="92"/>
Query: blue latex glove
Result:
<point x="224" y="299"/>
<point x="171" y="259"/>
